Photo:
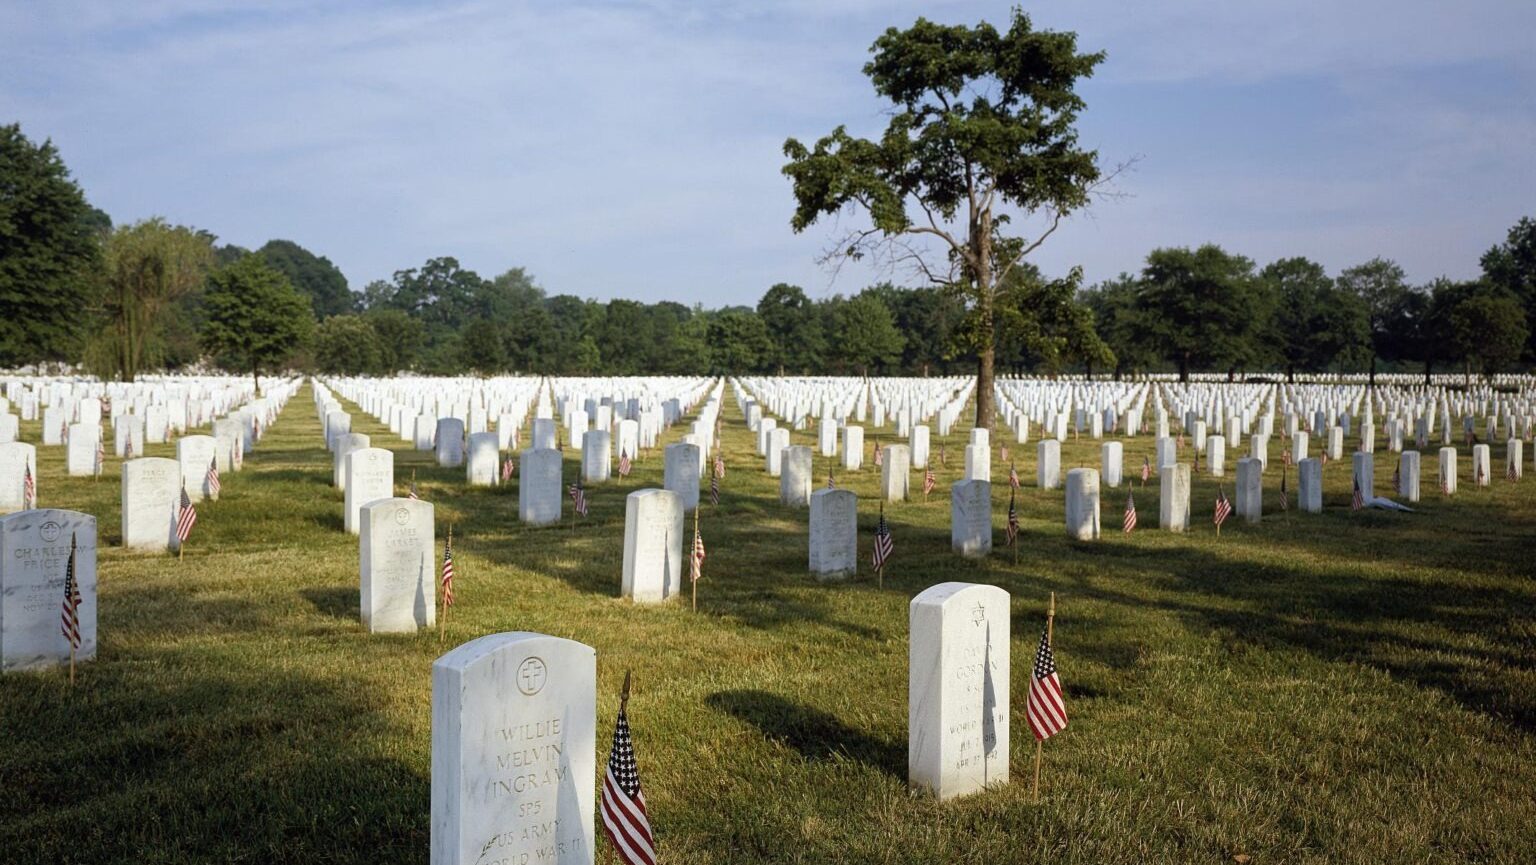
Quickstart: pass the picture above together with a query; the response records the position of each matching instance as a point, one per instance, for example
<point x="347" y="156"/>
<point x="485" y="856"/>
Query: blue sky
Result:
<point x="633" y="149"/>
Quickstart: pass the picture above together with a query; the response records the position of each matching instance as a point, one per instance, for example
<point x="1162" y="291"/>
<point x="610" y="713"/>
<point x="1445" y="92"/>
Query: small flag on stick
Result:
<point x="625" y="820"/>
<point x="624" y="464"/>
<point x="884" y="545"/>
<point x="696" y="559"/>
<point x="1130" y="512"/>
<point x="928" y="482"/>
<point x="185" y="521"/>
<point x="70" y="617"/>
<point x="213" y="484"/>
<point x="1045" y="707"/>
<point x="28" y="489"/>
<point x="1223" y="509"/>
<point x="579" y="497"/>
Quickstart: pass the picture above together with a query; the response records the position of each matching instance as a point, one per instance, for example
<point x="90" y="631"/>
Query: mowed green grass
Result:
<point x="1348" y="687"/>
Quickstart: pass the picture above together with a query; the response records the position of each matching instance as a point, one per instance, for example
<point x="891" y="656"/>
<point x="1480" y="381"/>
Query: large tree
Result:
<point x="348" y="345"/>
<point x="1200" y="307"/>
<point x="864" y="336"/>
<point x="1487" y="328"/>
<point x="1120" y="322"/>
<point x="48" y="251"/>
<point x="256" y="318"/>
<point x="1511" y="266"/>
<point x="149" y="267"/>
<point x="1382" y="287"/>
<point x="313" y="275"/>
<point x="982" y="138"/>
<point x="794" y="326"/>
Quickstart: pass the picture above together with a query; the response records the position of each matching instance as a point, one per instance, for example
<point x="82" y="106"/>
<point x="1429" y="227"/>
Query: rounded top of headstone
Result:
<point x="649" y="492"/>
<point x="53" y="523"/>
<point x="531" y="653"/>
<point x="944" y="594"/>
<point x="838" y="494"/>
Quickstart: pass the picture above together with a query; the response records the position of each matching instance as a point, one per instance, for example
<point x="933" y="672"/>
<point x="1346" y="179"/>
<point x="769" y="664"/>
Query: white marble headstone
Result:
<point x="514" y="745"/>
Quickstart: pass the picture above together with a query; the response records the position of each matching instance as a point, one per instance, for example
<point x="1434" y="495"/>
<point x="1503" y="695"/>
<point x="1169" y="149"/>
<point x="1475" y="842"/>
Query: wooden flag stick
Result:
<point x="691" y="554"/>
<point x="624" y="694"/>
<point x="1050" y="622"/>
<point x="71" y="664"/>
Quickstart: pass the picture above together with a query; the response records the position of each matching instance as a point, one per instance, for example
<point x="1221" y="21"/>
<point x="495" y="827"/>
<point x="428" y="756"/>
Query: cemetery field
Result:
<point x="1343" y="687"/>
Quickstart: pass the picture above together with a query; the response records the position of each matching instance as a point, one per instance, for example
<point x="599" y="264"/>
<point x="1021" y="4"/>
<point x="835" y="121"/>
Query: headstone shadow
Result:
<point x="815" y="734"/>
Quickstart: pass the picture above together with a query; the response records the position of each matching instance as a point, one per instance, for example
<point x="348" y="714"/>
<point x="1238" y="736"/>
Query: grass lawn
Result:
<point x="1344" y="687"/>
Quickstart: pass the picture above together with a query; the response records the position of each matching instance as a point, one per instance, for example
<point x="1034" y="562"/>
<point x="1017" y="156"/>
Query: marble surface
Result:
<point x="370" y="476"/>
<point x="151" y="496"/>
<point x="655" y="542"/>
<point x="398" y="564"/>
<point x="514" y="769"/>
<point x="34" y="551"/>
<point x="958" y="689"/>
<point x="834" y="534"/>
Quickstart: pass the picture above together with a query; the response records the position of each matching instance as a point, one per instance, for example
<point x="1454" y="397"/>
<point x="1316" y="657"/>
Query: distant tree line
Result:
<point x="74" y="289"/>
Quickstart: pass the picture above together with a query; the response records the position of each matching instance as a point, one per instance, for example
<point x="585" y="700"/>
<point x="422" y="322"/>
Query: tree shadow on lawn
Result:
<point x="1339" y="616"/>
<point x="179" y="758"/>
<point x="815" y="734"/>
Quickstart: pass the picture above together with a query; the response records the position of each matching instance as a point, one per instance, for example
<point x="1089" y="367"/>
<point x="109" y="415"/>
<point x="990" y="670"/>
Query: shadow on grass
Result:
<point x="341" y="602"/>
<point x="815" y="734"/>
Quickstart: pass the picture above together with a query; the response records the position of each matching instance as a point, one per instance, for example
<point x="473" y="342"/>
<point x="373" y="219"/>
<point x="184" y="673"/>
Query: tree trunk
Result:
<point x="256" y="377"/>
<point x="1290" y="373"/>
<point x="1184" y="368"/>
<point x="1428" y="364"/>
<point x="1373" y="370"/>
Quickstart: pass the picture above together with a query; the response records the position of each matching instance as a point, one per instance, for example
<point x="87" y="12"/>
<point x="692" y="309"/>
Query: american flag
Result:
<point x="128" y="446"/>
<point x="1045" y="708"/>
<point x="831" y="484"/>
<point x="623" y="803"/>
<point x="213" y="477"/>
<point x="714" y="489"/>
<point x="1479" y="480"/>
<point x="1013" y="521"/>
<point x="1285" y="503"/>
<point x="879" y="455"/>
<point x="1180" y="441"/>
<point x="101" y="452"/>
<point x="1223" y="507"/>
<point x="509" y="468"/>
<point x="1285" y="456"/>
<point x="1146" y="469"/>
<point x="579" y="498"/>
<point x="64" y="432"/>
<point x="1197" y="462"/>
<point x="884" y="545"/>
<point x="928" y="481"/>
<point x="448" y="570"/>
<point x="1325" y="458"/>
<point x="1357" y="501"/>
<point x="1013" y="476"/>
<point x="1130" y="512"/>
<point x="255" y="428"/>
<point x="1445" y="484"/>
<point x="237" y="456"/>
<point x="187" y="519"/>
<point x="624" y="464"/>
<point x="28" y="489"/>
<point x="1509" y="471"/>
<point x="411" y="493"/>
<point x="1003" y="452"/>
<point x="696" y="556"/>
<point x="70" y="618"/>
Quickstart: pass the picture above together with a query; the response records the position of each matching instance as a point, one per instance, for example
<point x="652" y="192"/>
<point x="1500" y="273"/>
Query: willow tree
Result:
<point x="979" y="164"/>
<point x="148" y="266"/>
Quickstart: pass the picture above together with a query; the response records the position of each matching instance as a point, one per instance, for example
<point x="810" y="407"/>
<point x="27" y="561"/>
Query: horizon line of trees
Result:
<point x="74" y="289"/>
